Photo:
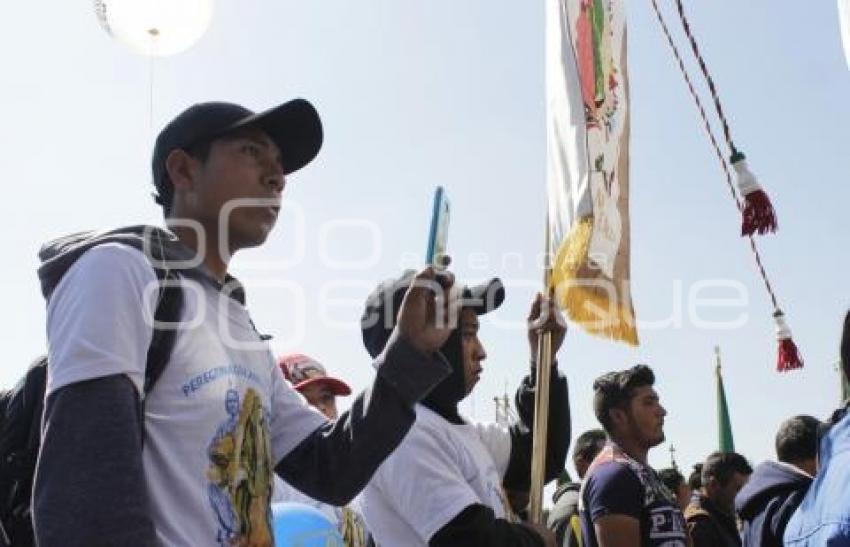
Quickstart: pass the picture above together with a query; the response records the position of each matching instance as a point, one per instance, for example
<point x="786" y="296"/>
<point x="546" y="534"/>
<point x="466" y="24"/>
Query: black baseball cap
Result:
<point x="294" y="126"/>
<point x="382" y="307"/>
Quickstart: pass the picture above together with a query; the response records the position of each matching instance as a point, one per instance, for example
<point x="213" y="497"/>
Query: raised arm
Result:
<point x="543" y="317"/>
<point x="334" y="462"/>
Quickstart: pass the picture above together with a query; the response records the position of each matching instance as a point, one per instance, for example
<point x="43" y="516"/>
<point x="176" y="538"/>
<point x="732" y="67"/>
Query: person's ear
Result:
<point x="182" y="169"/>
<point x="618" y="418"/>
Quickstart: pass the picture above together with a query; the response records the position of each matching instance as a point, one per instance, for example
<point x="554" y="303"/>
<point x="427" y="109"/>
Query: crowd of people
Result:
<point x="725" y="502"/>
<point x="195" y="451"/>
<point x="619" y="499"/>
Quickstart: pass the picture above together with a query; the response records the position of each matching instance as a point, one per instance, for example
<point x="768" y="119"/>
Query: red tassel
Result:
<point x="758" y="215"/>
<point x="789" y="356"/>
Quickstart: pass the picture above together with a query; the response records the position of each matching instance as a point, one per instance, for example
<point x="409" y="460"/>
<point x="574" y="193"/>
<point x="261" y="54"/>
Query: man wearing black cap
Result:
<point x="184" y="457"/>
<point x="443" y="486"/>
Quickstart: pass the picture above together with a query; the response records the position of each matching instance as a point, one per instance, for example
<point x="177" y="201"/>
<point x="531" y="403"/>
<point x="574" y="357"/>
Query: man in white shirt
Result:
<point x="186" y="458"/>
<point x="444" y="485"/>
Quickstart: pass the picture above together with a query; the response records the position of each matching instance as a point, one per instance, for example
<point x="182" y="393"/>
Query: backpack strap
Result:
<point x="166" y="321"/>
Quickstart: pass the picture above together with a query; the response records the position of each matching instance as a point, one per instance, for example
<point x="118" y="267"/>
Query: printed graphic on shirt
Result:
<point x="666" y="526"/>
<point x="209" y="376"/>
<point x="240" y="474"/>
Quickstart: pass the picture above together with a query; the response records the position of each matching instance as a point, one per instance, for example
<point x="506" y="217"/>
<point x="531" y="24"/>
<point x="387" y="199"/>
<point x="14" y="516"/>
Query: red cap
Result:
<point x="303" y="371"/>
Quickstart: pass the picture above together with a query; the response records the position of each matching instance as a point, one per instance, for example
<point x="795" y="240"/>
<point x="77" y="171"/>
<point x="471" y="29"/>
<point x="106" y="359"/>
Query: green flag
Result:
<point x="727" y="444"/>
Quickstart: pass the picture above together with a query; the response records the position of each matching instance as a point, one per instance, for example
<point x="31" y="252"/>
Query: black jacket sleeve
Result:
<point x="518" y="475"/>
<point x="337" y="460"/>
<point x="477" y="526"/>
<point x="89" y="487"/>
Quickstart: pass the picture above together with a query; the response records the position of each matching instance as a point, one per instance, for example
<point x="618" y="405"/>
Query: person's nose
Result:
<point x="329" y="411"/>
<point x="482" y="353"/>
<point x="276" y="181"/>
<point x="274" y="176"/>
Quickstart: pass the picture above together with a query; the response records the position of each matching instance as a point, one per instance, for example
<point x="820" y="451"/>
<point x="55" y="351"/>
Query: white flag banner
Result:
<point x="588" y="163"/>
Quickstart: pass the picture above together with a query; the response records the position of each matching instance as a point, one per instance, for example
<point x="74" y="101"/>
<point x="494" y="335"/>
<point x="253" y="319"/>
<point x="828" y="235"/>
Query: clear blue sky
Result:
<point x="450" y="92"/>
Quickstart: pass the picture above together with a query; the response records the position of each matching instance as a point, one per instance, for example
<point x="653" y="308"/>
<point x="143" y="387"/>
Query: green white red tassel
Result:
<point x="789" y="356"/>
<point x="758" y="214"/>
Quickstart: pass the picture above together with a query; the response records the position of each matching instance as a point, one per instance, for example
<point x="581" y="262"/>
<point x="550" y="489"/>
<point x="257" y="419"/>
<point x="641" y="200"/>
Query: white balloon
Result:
<point x="844" y="19"/>
<point x="155" y="27"/>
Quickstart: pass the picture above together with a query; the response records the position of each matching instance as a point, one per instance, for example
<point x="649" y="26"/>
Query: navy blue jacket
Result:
<point x="767" y="501"/>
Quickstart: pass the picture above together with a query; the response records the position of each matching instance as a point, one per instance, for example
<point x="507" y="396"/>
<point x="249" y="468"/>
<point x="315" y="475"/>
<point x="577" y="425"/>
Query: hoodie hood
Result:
<point x="769" y="480"/>
<point x="446" y="395"/>
<point x="379" y="319"/>
<point x="161" y="247"/>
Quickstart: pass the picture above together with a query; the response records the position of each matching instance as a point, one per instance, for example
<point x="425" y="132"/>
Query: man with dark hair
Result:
<point x="443" y="486"/>
<point x="564" y="517"/>
<point x="588" y="445"/>
<point x="623" y="503"/>
<point x="776" y="489"/>
<point x="187" y="460"/>
<point x="797" y="443"/>
<point x="823" y="517"/>
<point x="711" y="513"/>
<point x="675" y="483"/>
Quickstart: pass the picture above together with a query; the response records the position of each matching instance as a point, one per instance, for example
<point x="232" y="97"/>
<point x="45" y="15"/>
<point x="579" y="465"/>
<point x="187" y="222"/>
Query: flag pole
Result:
<point x="724" y="425"/>
<point x="541" y="403"/>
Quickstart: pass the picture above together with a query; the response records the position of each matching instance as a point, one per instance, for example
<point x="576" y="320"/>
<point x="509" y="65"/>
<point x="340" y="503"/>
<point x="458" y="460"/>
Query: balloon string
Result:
<point x="151" y="85"/>
<point x="150" y="98"/>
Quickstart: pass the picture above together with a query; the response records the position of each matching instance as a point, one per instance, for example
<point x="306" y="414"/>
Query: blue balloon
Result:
<point x="299" y="525"/>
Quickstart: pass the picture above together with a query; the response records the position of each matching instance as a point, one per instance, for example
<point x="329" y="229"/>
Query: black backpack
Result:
<point x="21" y="411"/>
